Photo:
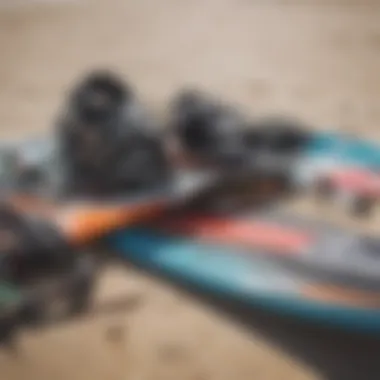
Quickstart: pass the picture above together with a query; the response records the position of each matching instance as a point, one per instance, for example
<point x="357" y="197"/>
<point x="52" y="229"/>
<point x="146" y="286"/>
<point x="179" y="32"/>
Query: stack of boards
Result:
<point x="271" y="260"/>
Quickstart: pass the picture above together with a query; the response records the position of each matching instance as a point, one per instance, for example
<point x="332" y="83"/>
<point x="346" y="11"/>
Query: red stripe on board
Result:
<point x="255" y="234"/>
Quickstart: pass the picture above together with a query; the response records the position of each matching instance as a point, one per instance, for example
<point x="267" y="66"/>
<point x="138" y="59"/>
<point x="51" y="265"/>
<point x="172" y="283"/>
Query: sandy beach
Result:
<point x="318" y="60"/>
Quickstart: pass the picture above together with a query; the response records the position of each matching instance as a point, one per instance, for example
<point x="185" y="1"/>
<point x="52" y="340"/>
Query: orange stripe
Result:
<point x="255" y="234"/>
<point x="82" y="225"/>
<point x="336" y="295"/>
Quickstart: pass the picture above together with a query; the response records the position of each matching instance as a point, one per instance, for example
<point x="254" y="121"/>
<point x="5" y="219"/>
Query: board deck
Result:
<point x="250" y="279"/>
<point x="323" y="251"/>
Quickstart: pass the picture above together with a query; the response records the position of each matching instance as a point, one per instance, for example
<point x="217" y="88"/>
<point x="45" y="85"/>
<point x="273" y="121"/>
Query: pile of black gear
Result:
<point x="108" y="145"/>
<point x="107" y="142"/>
<point x="218" y="134"/>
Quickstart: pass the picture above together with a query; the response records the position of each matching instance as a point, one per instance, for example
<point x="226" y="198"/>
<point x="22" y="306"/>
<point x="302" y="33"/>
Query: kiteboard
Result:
<point x="247" y="276"/>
